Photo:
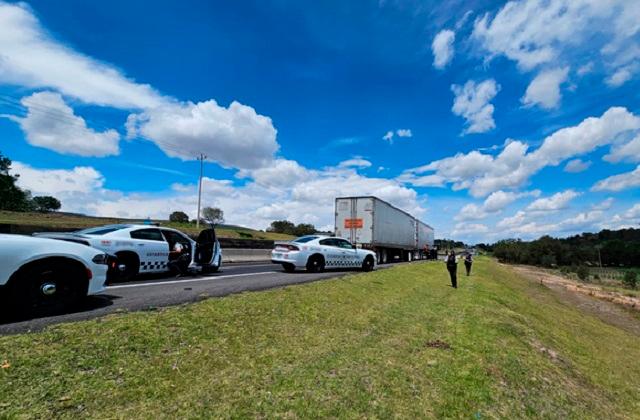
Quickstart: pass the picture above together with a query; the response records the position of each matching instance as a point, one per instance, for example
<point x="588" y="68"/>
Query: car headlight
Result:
<point x="101" y="259"/>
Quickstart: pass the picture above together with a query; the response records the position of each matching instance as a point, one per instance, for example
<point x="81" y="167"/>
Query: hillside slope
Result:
<point x="71" y="221"/>
<point x="396" y="342"/>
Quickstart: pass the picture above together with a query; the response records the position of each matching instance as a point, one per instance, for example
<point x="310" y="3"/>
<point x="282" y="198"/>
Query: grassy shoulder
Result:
<point x="396" y="342"/>
<point x="67" y="221"/>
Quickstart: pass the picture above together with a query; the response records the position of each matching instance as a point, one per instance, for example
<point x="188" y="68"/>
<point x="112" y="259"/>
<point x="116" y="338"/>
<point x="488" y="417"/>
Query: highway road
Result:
<point x="150" y="293"/>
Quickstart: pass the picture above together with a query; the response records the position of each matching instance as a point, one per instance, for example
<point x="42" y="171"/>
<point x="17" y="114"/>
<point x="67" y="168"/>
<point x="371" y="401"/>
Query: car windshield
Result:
<point x="102" y="230"/>
<point x="304" y="239"/>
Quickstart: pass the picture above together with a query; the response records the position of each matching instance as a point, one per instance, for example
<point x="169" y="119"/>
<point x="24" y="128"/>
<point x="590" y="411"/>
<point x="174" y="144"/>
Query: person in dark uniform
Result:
<point x="467" y="263"/>
<point x="452" y="267"/>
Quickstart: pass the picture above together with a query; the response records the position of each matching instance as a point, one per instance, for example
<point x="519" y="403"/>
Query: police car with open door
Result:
<point x="149" y="249"/>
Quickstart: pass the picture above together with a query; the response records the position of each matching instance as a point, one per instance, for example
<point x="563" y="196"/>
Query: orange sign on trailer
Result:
<point x="353" y="223"/>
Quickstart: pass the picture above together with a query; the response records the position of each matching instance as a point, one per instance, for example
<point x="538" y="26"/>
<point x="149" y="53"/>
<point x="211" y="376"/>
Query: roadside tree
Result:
<point x="213" y="215"/>
<point x="11" y="196"/>
<point x="179" y="217"/>
<point x="46" y="204"/>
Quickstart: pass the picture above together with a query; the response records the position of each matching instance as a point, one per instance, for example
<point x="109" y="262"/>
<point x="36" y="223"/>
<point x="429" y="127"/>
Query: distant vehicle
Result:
<point x="150" y="249"/>
<point x="374" y="224"/>
<point x="44" y="276"/>
<point x="317" y="252"/>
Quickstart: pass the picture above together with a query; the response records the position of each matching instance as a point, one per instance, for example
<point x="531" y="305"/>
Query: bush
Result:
<point x="582" y="272"/>
<point x="630" y="279"/>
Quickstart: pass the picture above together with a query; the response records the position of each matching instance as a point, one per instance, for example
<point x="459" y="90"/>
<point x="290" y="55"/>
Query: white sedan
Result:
<point x="150" y="248"/>
<point x="43" y="276"/>
<point x="315" y="253"/>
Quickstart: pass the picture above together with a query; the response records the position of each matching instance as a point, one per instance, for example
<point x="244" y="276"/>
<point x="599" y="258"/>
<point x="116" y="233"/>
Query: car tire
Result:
<point x="289" y="268"/>
<point x="48" y="287"/>
<point x="367" y="264"/>
<point x="131" y="263"/>
<point x="315" y="264"/>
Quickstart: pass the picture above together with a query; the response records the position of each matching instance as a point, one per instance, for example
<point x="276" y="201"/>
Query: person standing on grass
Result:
<point x="467" y="263"/>
<point x="452" y="267"/>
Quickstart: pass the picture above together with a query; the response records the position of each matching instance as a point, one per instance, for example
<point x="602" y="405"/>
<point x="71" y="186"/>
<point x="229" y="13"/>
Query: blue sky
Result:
<point x="486" y="119"/>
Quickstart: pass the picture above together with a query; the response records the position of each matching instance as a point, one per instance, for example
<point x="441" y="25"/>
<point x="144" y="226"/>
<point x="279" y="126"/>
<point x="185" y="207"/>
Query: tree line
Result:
<point x="609" y="248"/>
<point x="285" y="226"/>
<point x="13" y="198"/>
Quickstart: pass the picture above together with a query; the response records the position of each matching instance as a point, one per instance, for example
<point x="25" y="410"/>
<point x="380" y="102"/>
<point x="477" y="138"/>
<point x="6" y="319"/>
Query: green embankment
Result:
<point x="396" y="342"/>
<point x="68" y="221"/>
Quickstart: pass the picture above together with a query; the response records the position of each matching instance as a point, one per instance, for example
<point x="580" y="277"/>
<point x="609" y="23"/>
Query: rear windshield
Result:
<point x="304" y="239"/>
<point x="102" y="230"/>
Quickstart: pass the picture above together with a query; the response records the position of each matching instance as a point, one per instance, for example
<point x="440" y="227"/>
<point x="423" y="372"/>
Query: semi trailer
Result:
<point x="371" y="223"/>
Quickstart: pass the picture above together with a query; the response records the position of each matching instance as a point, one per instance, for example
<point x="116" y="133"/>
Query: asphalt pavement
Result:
<point x="150" y="293"/>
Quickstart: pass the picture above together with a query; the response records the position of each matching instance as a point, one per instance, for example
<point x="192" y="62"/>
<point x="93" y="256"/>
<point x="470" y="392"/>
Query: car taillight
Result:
<point x="89" y="274"/>
<point x="287" y="247"/>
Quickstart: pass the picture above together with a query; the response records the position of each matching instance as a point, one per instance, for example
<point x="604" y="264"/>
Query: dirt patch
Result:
<point x="610" y="307"/>
<point x="437" y="344"/>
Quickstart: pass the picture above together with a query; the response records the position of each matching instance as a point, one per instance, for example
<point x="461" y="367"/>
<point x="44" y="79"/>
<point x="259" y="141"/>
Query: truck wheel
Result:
<point x="315" y="264"/>
<point x="289" y="268"/>
<point x="367" y="264"/>
<point x="48" y="287"/>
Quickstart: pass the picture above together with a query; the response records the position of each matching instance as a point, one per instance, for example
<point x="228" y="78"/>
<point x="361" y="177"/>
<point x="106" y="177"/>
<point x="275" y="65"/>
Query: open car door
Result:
<point x="208" y="250"/>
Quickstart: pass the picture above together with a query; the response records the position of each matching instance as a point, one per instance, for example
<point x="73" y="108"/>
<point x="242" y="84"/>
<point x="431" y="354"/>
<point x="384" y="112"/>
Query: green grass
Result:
<point x="67" y="221"/>
<point x="358" y="346"/>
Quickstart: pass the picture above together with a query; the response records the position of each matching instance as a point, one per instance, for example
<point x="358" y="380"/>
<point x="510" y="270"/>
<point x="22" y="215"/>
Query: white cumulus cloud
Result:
<point x="52" y="124"/>
<point x="540" y="32"/>
<point x="354" y="163"/>
<point x="442" y="48"/>
<point x="483" y="173"/>
<point x="472" y="102"/>
<point x="626" y="151"/>
<point x="619" y="182"/>
<point x="404" y="132"/>
<point x="558" y="201"/>
<point x="234" y="137"/>
<point x="576" y="165"/>
<point x="544" y="90"/>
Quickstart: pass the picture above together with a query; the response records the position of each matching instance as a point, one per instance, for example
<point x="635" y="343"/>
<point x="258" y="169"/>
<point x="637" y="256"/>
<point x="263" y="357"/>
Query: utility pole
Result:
<point x="201" y="158"/>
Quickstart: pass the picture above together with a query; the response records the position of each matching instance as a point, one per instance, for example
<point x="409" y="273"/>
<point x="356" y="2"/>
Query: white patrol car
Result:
<point x="316" y="252"/>
<point x="149" y="248"/>
<point x="42" y="276"/>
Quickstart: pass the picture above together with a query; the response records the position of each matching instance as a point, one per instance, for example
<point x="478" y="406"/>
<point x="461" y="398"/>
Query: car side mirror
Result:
<point x="354" y="247"/>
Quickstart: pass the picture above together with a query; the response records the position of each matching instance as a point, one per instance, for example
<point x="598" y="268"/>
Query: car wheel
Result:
<point x="48" y="287"/>
<point x="315" y="264"/>
<point x="131" y="264"/>
<point x="289" y="268"/>
<point x="367" y="264"/>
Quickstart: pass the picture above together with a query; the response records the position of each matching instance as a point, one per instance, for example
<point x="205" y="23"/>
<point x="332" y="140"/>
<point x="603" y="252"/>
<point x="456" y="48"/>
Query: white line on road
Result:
<point x="160" y="283"/>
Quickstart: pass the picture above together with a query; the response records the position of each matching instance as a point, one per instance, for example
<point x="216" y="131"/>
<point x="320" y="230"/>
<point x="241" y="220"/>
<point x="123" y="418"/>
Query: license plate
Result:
<point x="277" y="255"/>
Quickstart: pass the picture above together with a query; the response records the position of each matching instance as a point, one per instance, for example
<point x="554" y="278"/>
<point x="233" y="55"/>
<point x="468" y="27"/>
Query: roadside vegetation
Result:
<point x="66" y="221"/>
<point x="393" y="343"/>
<point x="609" y="248"/>
<point x="14" y="198"/>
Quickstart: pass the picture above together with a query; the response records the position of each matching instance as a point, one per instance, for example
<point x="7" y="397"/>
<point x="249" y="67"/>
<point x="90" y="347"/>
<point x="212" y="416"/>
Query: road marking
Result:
<point x="160" y="283"/>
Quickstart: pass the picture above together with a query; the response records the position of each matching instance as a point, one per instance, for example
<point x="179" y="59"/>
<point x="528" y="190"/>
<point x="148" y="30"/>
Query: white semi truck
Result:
<point x="374" y="224"/>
